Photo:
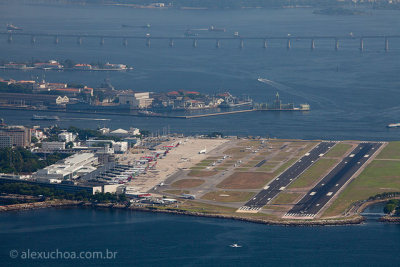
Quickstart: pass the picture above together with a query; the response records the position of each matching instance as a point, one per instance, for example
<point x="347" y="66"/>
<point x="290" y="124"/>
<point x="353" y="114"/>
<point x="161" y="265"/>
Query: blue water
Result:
<point x="168" y="240"/>
<point x="353" y="95"/>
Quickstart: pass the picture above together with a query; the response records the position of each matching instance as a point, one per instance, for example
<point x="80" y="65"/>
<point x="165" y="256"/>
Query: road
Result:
<point x="278" y="184"/>
<point x="325" y="190"/>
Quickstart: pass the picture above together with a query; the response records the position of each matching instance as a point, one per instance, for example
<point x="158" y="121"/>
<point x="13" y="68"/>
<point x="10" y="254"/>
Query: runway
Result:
<point x="325" y="190"/>
<point x="278" y="184"/>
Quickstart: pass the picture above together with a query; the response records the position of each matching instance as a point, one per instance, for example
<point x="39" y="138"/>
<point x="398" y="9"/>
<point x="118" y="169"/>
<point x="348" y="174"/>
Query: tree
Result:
<point x="34" y="139"/>
<point x="70" y="144"/>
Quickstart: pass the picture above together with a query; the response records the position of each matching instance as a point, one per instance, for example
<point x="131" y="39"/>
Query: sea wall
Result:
<point x="69" y="203"/>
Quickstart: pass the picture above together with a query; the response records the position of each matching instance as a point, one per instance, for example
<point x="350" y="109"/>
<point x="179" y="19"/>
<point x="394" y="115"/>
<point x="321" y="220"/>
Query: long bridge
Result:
<point x="170" y="39"/>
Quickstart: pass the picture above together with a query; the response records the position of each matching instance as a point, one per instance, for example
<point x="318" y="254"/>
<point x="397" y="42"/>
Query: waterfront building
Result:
<point x="136" y="100"/>
<point x="83" y="67"/>
<point x="32" y="99"/>
<point x="20" y="135"/>
<point x="115" y="66"/>
<point x="69" y="168"/>
<point x="52" y="64"/>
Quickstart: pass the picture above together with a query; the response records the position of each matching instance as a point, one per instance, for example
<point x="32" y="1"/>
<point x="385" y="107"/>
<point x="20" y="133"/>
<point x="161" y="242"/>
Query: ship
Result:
<point x="147" y="26"/>
<point x="11" y="27"/>
<point x="148" y="113"/>
<point x="189" y="33"/>
<point x="394" y="125"/>
<point x="213" y="29"/>
<point x="277" y="105"/>
<point x="45" y="118"/>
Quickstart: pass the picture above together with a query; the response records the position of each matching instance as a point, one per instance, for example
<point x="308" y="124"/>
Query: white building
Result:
<point x="68" y="168"/>
<point x="134" y="131"/>
<point x="53" y="146"/>
<point x="67" y="137"/>
<point x="104" y="130"/>
<point x="136" y="100"/>
<point x="119" y="133"/>
<point x="115" y="66"/>
<point x="120" y="147"/>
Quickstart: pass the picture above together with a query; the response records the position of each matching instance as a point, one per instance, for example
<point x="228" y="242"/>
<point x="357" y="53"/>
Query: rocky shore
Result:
<point x="69" y="203"/>
<point x="39" y="205"/>
<point x="389" y="219"/>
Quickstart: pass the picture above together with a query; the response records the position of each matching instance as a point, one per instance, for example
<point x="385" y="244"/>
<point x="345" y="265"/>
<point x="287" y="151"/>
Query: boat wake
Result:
<point x="289" y="90"/>
<point x="89" y="119"/>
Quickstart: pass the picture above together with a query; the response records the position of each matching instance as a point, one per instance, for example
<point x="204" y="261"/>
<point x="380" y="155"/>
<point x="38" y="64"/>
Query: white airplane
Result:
<point x="234" y="245"/>
<point x="203" y="151"/>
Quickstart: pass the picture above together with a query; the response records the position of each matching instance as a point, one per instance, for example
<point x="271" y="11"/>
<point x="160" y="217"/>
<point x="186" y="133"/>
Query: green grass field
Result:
<point x="338" y="150"/>
<point x="286" y="198"/>
<point x="316" y="171"/>
<point x="378" y="177"/>
<point x="391" y="151"/>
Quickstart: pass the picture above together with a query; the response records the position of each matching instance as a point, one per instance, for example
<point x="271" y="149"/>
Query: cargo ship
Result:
<point x="45" y="118"/>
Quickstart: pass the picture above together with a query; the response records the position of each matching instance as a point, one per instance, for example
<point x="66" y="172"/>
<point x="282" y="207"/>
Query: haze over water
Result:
<point x="352" y="95"/>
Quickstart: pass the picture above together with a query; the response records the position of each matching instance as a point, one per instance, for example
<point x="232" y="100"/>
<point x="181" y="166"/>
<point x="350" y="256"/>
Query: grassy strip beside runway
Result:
<point x="378" y="177"/>
<point x="316" y="171"/>
<point x="338" y="151"/>
<point x="391" y="151"/>
<point x="286" y="198"/>
<point x="228" y="196"/>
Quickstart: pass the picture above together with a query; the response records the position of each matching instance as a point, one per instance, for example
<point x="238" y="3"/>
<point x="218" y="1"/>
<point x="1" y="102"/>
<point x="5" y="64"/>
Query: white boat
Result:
<point x="234" y="245"/>
<point x="394" y="125"/>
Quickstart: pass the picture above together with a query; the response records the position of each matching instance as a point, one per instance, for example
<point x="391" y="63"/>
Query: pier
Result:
<point x="170" y="40"/>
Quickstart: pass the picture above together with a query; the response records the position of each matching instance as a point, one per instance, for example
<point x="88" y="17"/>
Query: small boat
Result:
<point x="393" y="125"/>
<point x="234" y="245"/>
<point x="11" y="27"/>
<point x="45" y="118"/>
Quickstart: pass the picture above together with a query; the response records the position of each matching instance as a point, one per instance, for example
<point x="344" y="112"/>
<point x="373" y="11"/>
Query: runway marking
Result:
<point x="266" y="187"/>
<point x="329" y="194"/>
<point x="366" y="156"/>
<point x="352" y="155"/>
<point x="307" y="154"/>
<point x="312" y="193"/>
<point x="282" y="188"/>
<point x="321" y="155"/>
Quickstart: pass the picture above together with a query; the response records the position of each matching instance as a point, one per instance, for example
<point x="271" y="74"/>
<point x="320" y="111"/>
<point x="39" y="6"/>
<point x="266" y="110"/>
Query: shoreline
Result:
<point x="358" y="219"/>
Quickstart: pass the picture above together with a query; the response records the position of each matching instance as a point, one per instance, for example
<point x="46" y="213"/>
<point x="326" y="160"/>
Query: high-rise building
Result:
<point x="20" y="135"/>
<point x="5" y="141"/>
